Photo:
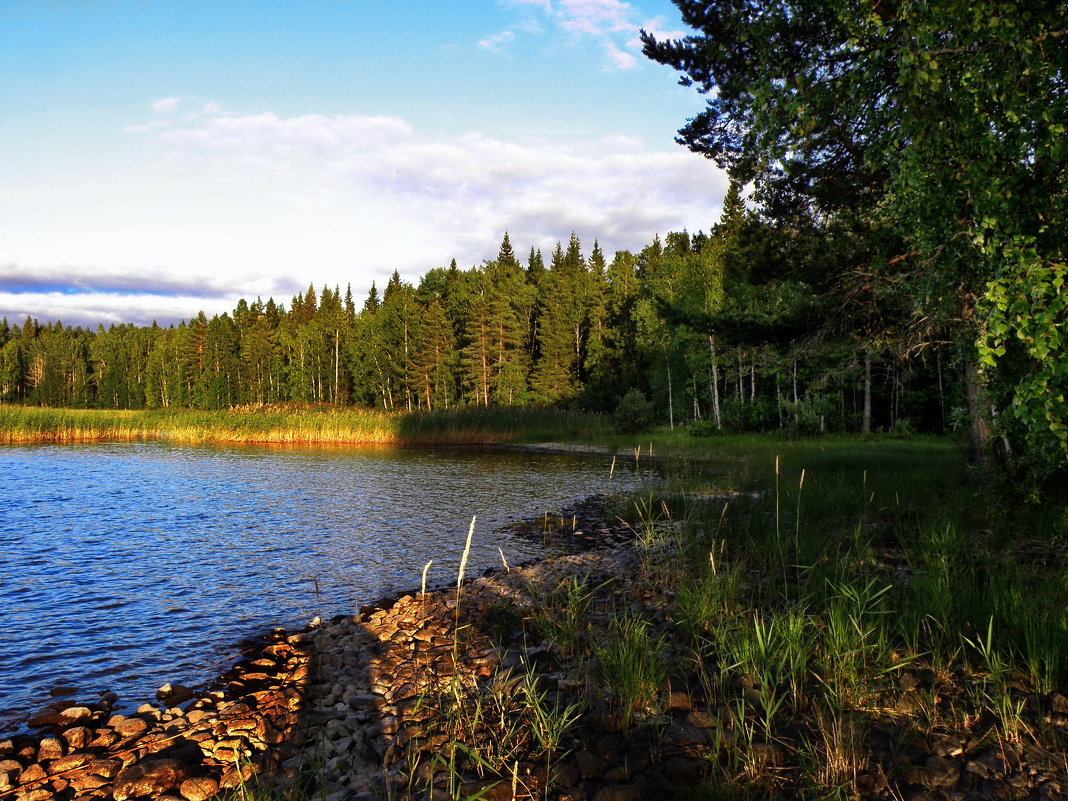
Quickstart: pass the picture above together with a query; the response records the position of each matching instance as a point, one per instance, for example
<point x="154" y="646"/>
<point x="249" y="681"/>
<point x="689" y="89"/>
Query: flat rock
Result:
<point x="199" y="788"/>
<point x="150" y="777"/>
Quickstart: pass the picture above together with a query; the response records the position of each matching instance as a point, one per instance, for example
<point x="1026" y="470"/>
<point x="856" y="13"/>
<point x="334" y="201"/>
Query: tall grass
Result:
<point x="814" y="577"/>
<point x="294" y="425"/>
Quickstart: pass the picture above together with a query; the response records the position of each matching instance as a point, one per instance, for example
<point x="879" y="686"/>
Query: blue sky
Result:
<point x="158" y="158"/>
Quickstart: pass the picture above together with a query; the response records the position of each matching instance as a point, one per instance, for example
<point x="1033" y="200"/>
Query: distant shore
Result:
<point x="290" y="424"/>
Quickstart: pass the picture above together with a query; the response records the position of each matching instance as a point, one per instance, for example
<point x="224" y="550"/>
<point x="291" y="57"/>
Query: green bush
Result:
<point x="634" y="414"/>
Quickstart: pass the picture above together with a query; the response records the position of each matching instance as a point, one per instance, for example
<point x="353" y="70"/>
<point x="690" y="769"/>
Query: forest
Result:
<point x="579" y="332"/>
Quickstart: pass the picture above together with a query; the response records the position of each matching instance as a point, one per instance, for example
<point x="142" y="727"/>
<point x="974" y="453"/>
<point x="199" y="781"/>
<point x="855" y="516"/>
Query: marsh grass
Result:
<point x="293" y="424"/>
<point x="633" y="665"/>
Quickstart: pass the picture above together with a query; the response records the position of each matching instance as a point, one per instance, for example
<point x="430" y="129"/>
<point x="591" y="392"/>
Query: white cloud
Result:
<point x="497" y="42"/>
<point x="620" y="58"/>
<point x="89" y="310"/>
<point x="166" y="104"/>
<point x="595" y="17"/>
<point x="657" y="27"/>
<point x="231" y="206"/>
<point x="613" y="23"/>
<point x="462" y="191"/>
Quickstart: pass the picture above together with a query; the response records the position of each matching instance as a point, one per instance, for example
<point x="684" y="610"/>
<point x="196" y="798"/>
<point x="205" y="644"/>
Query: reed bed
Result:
<point x="295" y="425"/>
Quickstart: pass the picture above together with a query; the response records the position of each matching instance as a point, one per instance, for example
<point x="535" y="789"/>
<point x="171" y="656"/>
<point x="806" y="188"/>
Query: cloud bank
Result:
<point x="464" y="189"/>
<point x="229" y="205"/>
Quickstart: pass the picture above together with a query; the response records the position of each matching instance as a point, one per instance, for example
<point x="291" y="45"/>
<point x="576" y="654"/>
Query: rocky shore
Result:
<point x="493" y="692"/>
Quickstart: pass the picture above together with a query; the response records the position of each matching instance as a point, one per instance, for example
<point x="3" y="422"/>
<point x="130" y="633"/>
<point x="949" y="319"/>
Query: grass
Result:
<point x="633" y="665"/>
<point x="808" y="577"/>
<point x="296" y="425"/>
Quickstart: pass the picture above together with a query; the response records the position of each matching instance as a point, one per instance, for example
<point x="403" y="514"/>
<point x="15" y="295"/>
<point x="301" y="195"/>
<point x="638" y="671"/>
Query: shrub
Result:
<point x="634" y="414"/>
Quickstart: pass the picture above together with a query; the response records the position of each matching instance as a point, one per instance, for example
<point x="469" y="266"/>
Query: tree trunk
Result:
<point x="715" y="381"/>
<point x="671" y="402"/>
<point x="865" y="421"/>
<point x="741" y="390"/>
<point x="979" y="428"/>
<point x="797" y="410"/>
<point x="778" y="398"/>
<point x="752" y="377"/>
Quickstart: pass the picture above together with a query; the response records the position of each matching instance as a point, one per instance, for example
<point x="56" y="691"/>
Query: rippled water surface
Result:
<point x="126" y="566"/>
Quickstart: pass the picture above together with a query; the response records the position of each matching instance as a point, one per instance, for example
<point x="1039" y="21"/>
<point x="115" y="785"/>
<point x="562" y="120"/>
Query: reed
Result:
<point x="295" y="425"/>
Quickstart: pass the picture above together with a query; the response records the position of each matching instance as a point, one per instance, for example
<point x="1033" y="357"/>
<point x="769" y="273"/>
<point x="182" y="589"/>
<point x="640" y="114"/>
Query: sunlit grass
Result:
<point x="292" y="425"/>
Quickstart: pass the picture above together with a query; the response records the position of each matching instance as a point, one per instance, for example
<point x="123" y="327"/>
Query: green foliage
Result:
<point x="634" y="414"/>
<point x="633" y="664"/>
<point x="931" y="137"/>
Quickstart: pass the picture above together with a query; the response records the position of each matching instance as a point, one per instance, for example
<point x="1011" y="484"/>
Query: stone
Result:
<point x="500" y="790"/>
<point x="35" y="794"/>
<point x="236" y="776"/>
<point x="617" y="775"/>
<point x="767" y="753"/>
<point x="590" y="766"/>
<point x="108" y="768"/>
<point x="701" y="720"/>
<point x="611" y="746"/>
<point x="679" y="702"/>
<point x="618" y="792"/>
<point x="199" y="788"/>
<point x="685" y="735"/>
<point x="87" y="781"/>
<point x="64" y="764"/>
<point x="150" y="777"/>
<point x="1059" y="704"/>
<point x="565" y="774"/>
<point x="130" y="727"/>
<point x="683" y="770"/>
<point x="50" y="748"/>
<point x="937" y="772"/>
<point x="49" y="716"/>
<point x="34" y="773"/>
<point x="945" y="745"/>
<point x="105" y="738"/>
<point x="78" y="737"/>
<point x="73" y="715"/>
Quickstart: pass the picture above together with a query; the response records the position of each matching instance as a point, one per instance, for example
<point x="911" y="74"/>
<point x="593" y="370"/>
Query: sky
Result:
<point x="161" y="158"/>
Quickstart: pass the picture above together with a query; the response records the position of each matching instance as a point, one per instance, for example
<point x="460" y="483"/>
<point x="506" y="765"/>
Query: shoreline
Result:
<point x="254" y="720"/>
<point x="509" y="688"/>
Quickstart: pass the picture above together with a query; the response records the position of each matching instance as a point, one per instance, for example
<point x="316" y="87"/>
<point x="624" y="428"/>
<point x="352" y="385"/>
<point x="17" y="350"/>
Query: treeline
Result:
<point x="709" y="327"/>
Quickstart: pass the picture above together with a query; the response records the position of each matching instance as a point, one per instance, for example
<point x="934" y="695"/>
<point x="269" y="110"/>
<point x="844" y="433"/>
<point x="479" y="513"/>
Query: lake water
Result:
<point x="125" y="566"/>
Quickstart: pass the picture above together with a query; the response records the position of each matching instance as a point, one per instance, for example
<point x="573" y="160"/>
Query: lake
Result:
<point x="126" y="566"/>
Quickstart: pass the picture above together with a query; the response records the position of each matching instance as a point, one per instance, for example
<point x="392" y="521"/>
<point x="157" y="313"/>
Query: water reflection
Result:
<point x="127" y="566"/>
